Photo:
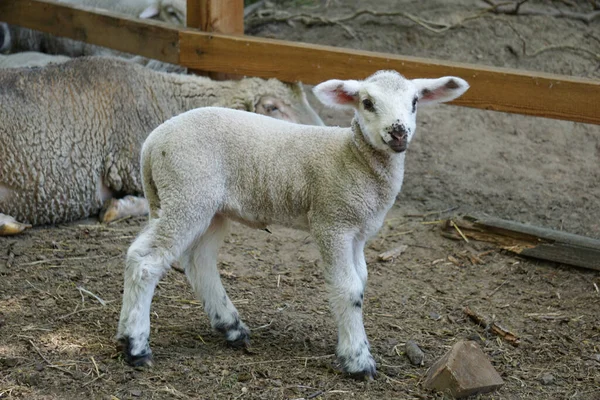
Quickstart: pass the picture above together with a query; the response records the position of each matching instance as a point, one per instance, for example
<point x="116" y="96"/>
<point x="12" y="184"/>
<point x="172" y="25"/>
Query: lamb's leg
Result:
<point x="10" y="226"/>
<point x="200" y="263"/>
<point x="129" y="206"/>
<point x="346" y="278"/>
<point x="148" y="258"/>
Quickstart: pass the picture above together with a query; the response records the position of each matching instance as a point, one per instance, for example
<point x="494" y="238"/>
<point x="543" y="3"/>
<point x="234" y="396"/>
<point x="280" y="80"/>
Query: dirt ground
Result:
<point x="56" y="340"/>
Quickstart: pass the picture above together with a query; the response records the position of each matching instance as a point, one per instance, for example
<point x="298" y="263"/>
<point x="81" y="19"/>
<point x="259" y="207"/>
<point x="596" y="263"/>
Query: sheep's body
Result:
<point x="311" y="179"/>
<point x="18" y="39"/>
<point x="72" y="133"/>
<point x="208" y="166"/>
<point x="30" y="59"/>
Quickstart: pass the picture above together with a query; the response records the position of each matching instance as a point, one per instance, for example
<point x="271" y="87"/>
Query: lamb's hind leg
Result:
<point x="148" y="258"/>
<point x="200" y="263"/>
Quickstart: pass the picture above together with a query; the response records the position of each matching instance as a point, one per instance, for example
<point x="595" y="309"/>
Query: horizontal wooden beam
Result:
<point x="498" y="89"/>
<point x="143" y="37"/>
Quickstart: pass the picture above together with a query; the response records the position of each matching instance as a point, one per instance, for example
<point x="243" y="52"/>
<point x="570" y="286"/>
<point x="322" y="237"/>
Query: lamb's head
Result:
<point x="281" y="100"/>
<point x="171" y="11"/>
<point x="386" y="103"/>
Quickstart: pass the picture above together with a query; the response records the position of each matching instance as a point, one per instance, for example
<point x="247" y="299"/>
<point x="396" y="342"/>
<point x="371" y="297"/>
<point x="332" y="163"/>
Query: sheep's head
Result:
<point x="280" y="100"/>
<point x="386" y="103"/>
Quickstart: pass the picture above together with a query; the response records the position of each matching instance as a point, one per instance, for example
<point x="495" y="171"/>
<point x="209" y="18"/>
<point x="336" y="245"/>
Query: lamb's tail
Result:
<point x="150" y="190"/>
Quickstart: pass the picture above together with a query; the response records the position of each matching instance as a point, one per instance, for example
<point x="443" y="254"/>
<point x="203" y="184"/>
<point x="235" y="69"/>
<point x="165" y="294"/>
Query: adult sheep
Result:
<point x="30" y="59"/>
<point x="18" y="39"/>
<point x="208" y="166"/>
<point x="71" y="133"/>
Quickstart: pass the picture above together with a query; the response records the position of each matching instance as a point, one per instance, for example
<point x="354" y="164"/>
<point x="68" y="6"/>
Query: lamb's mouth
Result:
<point x="398" y="144"/>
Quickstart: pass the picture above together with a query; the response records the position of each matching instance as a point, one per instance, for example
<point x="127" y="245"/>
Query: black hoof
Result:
<point x="352" y="368"/>
<point x="241" y="343"/>
<point x="236" y="334"/>
<point x="366" y="375"/>
<point x="140" y="360"/>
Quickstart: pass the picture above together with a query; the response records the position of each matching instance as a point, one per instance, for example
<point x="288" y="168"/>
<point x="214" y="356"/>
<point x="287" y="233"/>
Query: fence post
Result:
<point x="221" y="16"/>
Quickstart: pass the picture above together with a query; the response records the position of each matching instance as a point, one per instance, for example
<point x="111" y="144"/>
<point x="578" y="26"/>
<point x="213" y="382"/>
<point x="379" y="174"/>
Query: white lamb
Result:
<point x="206" y="167"/>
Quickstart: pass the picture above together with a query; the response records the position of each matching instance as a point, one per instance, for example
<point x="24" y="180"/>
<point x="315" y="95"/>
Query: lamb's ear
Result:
<point x="337" y="93"/>
<point x="150" y="12"/>
<point x="441" y="90"/>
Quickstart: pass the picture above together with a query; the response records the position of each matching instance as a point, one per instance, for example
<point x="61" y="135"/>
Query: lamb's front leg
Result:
<point x="346" y="292"/>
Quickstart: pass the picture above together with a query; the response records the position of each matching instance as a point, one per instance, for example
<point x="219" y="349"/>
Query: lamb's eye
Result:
<point x="368" y="105"/>
<point x="414" y="104"/>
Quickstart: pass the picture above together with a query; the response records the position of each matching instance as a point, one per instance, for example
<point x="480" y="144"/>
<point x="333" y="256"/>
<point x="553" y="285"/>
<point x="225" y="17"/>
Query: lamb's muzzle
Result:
<point x="337" y="183"/>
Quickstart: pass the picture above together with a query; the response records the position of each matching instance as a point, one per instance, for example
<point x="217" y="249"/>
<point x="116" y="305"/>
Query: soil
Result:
<point x="57" y="340"/>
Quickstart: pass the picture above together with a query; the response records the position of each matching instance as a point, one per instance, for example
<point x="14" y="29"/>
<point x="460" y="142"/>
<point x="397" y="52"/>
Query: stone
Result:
<point x="414" y="353"/>
<point x="464" y="371"/>
<point x="547" y="379"/>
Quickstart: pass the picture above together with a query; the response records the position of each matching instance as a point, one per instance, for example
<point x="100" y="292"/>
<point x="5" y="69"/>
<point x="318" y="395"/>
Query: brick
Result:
<point x="464" y="371"/>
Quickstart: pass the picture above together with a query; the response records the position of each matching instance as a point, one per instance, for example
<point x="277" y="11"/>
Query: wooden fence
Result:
<point x="498" y="89"/>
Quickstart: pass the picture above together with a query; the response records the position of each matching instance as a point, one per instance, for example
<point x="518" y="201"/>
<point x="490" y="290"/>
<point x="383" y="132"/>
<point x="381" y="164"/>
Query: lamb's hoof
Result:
<point x="143" y="359"/>
<point x="237" y="334"/>
<point x="359" y="368"/>
<point x="109" y="211"/>
<point x="9" y="226"/>
<point x="366" y="375"/>
<point x="241" y="343"/>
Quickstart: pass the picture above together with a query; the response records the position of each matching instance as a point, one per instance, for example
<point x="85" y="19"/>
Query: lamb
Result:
<point x="30" y="59"/>
<point x="18" y="39"/>
<point x="71" y="133"/>
<point x="208" y="166"/>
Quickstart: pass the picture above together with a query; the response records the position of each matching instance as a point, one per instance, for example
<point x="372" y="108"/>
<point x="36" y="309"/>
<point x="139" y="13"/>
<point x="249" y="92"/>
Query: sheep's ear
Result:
<point x="150" y="12"/>
<point x="433" y="91"/>
<point x="337" y="93"/>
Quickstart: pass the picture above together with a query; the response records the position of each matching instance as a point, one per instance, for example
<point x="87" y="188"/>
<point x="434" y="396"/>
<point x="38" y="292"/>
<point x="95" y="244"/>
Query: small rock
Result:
<point x="390" y="254"/>
<point x="135" y="393"/>
<point x="414" y="353"/>
<point x="464" y="371"/>
<point x="48" y="302"/>
<point x="435" y="316"/>
<point x="276" y="382"/>
<point x="244" y="377"/>
<point x="476" y="338"/>
<point x="547" y="379"/>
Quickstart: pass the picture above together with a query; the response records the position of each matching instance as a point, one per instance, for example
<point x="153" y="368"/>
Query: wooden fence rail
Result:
<point x="498" y="89"/>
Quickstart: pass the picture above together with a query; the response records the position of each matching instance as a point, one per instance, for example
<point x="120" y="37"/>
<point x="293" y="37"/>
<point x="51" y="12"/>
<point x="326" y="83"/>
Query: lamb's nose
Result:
<point x="398" y="131"/>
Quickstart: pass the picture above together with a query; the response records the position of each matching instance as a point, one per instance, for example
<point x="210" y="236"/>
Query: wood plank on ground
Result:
<point x="528" y="240"/>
